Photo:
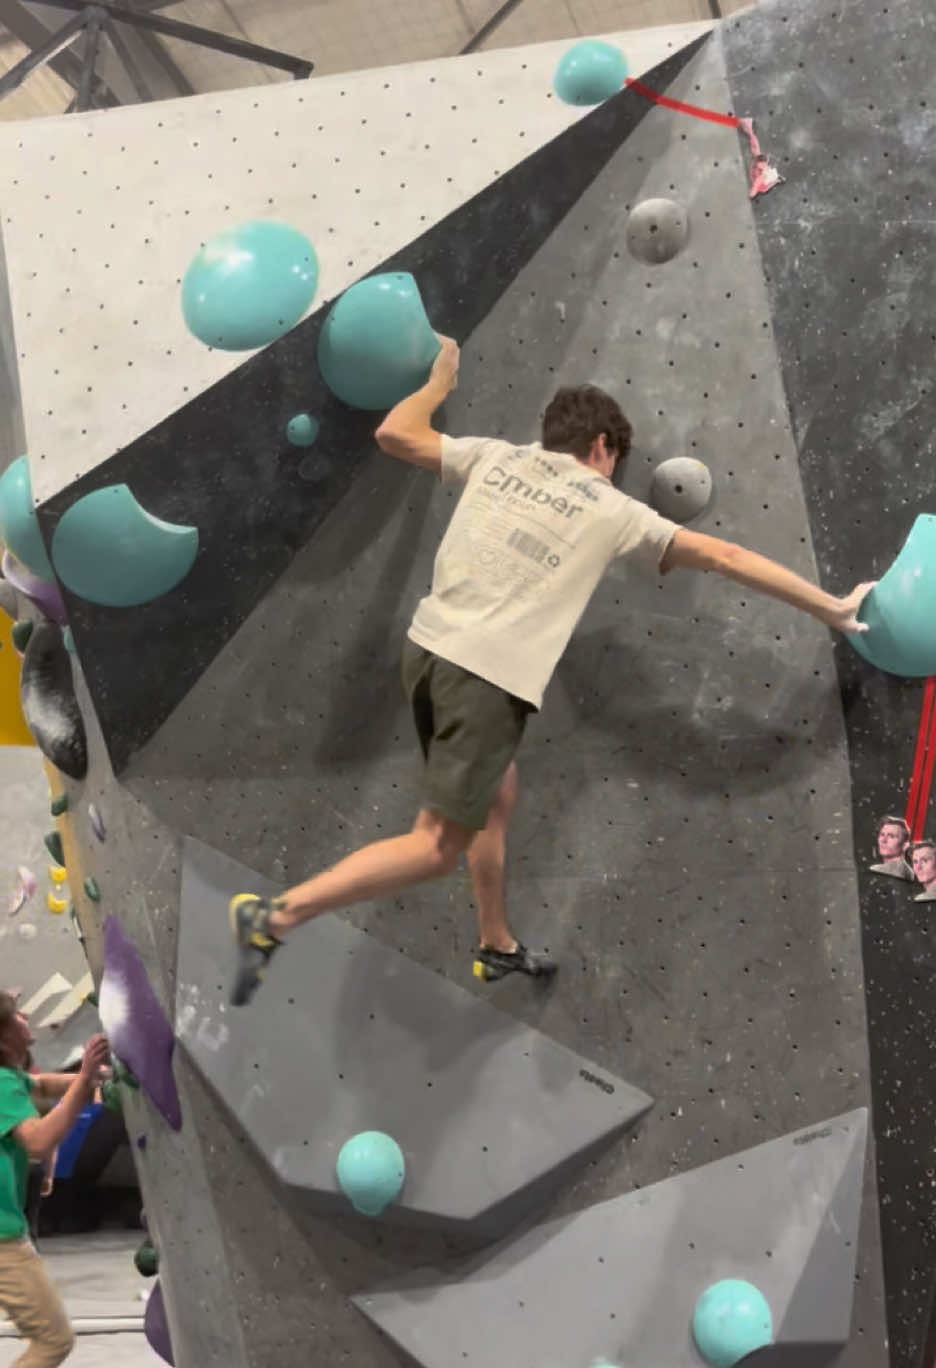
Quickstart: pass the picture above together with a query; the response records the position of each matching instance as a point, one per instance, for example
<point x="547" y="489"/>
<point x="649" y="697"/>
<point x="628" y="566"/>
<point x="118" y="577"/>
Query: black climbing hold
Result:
<point x="21" y="633"/>
<point x="49" y="704"/>
<point x="59" y="805"/>
<point x="53" y="844"/>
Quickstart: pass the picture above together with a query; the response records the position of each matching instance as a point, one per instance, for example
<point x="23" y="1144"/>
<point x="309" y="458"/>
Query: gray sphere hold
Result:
<point x="681" y="488"/>
<point x="657" y="230"/>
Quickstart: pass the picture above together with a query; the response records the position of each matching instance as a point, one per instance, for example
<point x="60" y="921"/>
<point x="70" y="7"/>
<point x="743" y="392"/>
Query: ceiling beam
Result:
<point x="34" y="34"/>
<point x="191" y="33"/>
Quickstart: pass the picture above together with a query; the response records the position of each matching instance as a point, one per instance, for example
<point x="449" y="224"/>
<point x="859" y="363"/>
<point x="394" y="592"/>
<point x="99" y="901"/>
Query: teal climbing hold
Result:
<point x="249" y="285"/>
<point x="59" y="805"/>
<point x="590" y="72"/>
<point x="109" y="550"/>
<point x="302" y="430"/>
<point x="92" y="889"/>
<point x="371" y="1171"/>
<point x="110" y="1096"/>
<point x="20" y="633"/>
<point x="19" y="526"/>
<point x="377" y="345"/>
<point x="731" y="1320"/>
<point x="53" y="844"/>
<point x="901" y="635"/>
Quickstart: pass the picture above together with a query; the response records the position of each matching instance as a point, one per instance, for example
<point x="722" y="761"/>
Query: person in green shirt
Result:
<point x="27" y="1294"/>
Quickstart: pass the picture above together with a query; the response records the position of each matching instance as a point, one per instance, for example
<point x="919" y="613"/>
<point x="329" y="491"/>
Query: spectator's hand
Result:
<point x="95" y="1059"/>
<point x="445" y="366"/>
<point x="844" y="618"/>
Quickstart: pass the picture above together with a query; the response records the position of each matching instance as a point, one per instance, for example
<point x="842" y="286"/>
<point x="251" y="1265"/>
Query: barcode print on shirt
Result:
<point x="528" y="546"/>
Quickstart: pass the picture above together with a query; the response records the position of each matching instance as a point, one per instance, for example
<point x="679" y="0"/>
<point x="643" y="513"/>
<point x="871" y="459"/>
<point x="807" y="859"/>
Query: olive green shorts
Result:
<point x="469" y="730"/>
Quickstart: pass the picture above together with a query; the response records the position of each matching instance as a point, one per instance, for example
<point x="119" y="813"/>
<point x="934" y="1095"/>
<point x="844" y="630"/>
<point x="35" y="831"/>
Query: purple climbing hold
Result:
<point x="45" y="594"/>
<point x="97" y="822"/>
<point x="156" y="1325"/>
<point x="141" y="1145"/>
<point x="136" y="1025"/>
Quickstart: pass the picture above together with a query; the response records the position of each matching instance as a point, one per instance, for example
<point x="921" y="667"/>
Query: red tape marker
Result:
<point x="764" y="176"/>
<point x="924" y="762"/>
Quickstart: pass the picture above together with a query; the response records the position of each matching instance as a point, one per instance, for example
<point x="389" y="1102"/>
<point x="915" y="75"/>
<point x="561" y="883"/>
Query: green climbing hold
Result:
<point x="53" y="844"/>
<point x="60" y="805"/>
<point x="110" y="1096"/>
<point x="125" y="1076"/>
<point x="92" y="889"/>
<point x="21" y="633"/>
<point x="93" y="999"/>
<point x="146" y="1260"/>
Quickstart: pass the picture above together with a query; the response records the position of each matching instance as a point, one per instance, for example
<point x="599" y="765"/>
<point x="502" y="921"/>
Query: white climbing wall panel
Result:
<point x="101" y="214"/>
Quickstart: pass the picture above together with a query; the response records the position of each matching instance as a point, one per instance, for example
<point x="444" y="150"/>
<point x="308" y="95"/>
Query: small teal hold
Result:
<point x="377" y="345"/>
<point x="899" y="611"/>
<point x="371" y="1171"/>
<point x="109" y="550"/>
<point x="19" y="526"/>
<point x="590" y="72"/>
<point x="302" y="430"/>
<point x="249" y="285"/>
<point x="731" y="1319"/>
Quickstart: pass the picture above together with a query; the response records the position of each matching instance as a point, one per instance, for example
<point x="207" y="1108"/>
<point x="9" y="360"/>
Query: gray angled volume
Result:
<point x="619" y="1281"/>
<point x="347" y="1035"/>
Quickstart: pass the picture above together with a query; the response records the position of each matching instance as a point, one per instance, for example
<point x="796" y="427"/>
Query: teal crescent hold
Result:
<point x="377" y="345"/>
<point x="109" y="550"/>
<point x="19" y="526"/>
<point x="900" y="612"/>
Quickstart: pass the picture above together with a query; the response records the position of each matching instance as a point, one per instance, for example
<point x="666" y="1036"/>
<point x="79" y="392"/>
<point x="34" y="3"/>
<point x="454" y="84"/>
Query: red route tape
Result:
<point x="730" y="120"/>
<point x="924" y="762"/>
<point x="764" y="176"/>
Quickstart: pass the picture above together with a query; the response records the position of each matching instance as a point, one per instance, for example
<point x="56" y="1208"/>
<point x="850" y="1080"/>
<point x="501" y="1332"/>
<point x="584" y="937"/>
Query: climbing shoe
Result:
<point x="256" y="944"/>
<point x="496" y="964"/>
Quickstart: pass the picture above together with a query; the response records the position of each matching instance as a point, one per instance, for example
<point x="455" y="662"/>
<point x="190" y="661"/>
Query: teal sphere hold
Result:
<point x="731" y="1319"/>
<point x="109" y="550"/>
<point x="371" y="1171"/>
<point x="590" y="72"/>
<point x="19" y="526"/>
<point x="901" y="635"/>
<point x="377" y="345"/>
<point x="249" y="285"/>
<point x="302" y="430"/>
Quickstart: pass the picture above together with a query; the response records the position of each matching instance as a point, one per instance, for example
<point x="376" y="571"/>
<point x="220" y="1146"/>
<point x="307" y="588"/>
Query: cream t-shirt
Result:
<point x="528" y="542"/>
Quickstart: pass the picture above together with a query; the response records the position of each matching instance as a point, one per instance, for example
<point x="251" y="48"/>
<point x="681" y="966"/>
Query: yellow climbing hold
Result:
<point x="57" y="874"/>
<point x="56" y="905"/>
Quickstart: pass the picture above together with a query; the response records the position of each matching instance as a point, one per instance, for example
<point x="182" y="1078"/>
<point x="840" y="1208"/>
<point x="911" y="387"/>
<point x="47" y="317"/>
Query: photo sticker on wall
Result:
<point x="893" y="844"/>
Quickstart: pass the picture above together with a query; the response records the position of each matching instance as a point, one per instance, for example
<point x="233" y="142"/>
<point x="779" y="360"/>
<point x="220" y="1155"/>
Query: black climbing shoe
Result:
<point x="496" y="964"/>
<point x="256" y="944"/>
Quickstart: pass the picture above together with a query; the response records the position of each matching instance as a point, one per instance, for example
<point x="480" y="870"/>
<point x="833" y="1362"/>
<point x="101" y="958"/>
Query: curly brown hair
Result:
<point x="9" y="1010"/>
<point x="577" y="414"/>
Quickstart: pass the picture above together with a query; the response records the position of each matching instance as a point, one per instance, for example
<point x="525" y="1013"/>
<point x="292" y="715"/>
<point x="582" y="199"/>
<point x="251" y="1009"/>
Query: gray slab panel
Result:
<point x="631" y="1270"/>
<point x="485" y="1109"/>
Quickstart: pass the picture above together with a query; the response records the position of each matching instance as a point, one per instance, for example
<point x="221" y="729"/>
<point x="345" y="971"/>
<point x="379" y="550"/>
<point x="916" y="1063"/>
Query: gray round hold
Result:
<point x="657" y="230"/>
<point x="681" y="488"/>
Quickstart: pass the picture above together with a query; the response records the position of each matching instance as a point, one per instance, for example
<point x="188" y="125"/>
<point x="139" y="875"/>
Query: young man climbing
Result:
<point x="533" y="532"/>
<point x="27" y="1294"/>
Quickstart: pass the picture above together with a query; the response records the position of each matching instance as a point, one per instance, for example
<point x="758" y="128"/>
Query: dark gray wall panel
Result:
<point x="847" y="96"/>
